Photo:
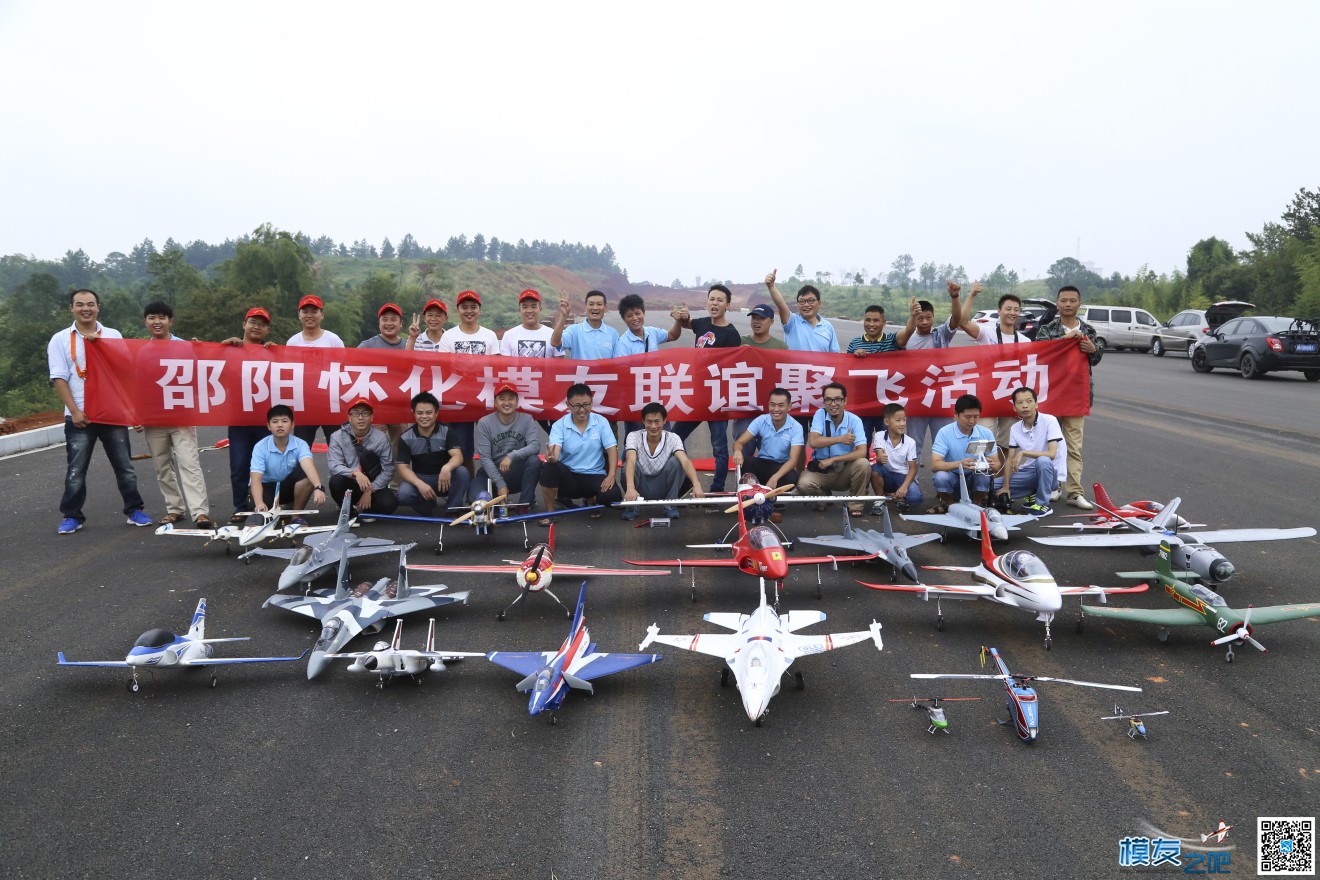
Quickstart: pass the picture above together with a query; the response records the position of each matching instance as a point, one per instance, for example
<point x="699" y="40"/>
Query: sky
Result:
<point x="717" y="140"/>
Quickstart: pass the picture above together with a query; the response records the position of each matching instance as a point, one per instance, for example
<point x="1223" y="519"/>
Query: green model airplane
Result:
<point x="1201" y="605"/>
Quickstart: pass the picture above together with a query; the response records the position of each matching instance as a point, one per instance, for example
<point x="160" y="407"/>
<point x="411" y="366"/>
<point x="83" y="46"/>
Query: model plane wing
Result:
<point x="64" y="662"/>
<point x="1229" y="536"/>
<point x="1093" y="590"/>
<point x="801" y="646"/>
<point x="715" y="644"/>
<point x="727" y="619"/>
<point x="522" y="662"/>
<point x="222" y="661"/>
<point x="796" y="620"/>
<point x="947" y="591"/>
<point x="595" y="666"/>
<point x="1158" y="616"/>
<point x="1276" y="613"/>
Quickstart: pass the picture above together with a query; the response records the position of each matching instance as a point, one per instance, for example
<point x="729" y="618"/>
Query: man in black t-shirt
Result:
<point x="429" y="460"/>
<point x="711" y="332"/>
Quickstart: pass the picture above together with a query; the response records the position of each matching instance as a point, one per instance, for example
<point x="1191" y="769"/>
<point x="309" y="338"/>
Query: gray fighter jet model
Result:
<point x="892" y="548"/>
<point x="319" y="554"/>
<point x="965" y="516"/>
<point x="365" y="607"/>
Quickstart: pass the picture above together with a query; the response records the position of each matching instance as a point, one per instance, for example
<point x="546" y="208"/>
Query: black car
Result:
<point x="1258" y="345"/>
<point x="1034" y="313"/>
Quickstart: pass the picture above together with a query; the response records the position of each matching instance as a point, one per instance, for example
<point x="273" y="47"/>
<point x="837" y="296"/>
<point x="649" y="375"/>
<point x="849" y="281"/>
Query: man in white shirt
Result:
<point x="1003" y="332"/>
<point x="655" y="465"/>
<point x="1037" y="456"/>
<point x="920" y="332"/>
<point x="311" y="312"/>
<point x="531" y="338"/>
<point x="66" y="355"/>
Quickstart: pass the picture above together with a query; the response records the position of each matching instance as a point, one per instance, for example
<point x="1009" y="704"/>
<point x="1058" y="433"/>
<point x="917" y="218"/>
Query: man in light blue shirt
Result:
<point x="639" y="338"/>
<point x="282" y="467"/>
<point x="807" y="330"/>
<point x="948" y="455"/>
<point x="583" y="456"/>
<point x="780" y="439"/>
<point x="592" y="340"/>
<point x="839" y="451"/>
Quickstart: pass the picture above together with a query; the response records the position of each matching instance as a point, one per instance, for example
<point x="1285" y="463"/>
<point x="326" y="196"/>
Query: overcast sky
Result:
<point x="712" y="139"/>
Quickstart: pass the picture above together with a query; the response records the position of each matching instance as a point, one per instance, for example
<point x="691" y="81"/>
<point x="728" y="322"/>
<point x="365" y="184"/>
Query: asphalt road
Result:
<point x="661" y="774"/>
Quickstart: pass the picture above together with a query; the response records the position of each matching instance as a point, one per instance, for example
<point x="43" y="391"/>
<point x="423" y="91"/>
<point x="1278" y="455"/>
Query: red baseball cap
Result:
<point x="361" y="401"/>
<point x="258" y="312"/>
<point x="310" y="300"/>
<point x="389" y="307"/>
<point x="437" y="303"/>
<point x="505" y="387"/>
<point x="468" y="295"/>
<point x="529" y="294"/>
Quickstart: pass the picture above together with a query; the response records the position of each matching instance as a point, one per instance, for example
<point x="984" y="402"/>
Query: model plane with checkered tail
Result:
<point x="1200" y="605"/>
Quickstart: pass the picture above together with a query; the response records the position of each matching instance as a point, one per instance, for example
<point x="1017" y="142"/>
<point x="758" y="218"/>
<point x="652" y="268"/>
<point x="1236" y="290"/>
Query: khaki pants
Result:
<point x="854" y="476"/>
<point x="1072" y="435"/>
<point x="182" y="442"/>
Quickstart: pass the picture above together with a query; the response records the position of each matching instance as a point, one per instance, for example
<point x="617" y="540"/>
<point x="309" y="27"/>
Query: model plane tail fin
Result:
<point x="575" y="682"/>
<point x="401" y="590"/>
<point x="197" y="629"/>
<point x="1167" y="518"/>
<point x="527" y="683"/>
<point x="430" y="636"/>
<point x="345" y="514"/>
<point x="987" y="549"/>
<point x="966" y="497"/>
<point x="341" y="577"/>
<point x="1102" y="497"/>
<point x="889" y="525"/>
<point x="847" y="522"/>
<point x="398" y="635"/>
<point x="1163" y="567"/>
<point x="550" y="539"/>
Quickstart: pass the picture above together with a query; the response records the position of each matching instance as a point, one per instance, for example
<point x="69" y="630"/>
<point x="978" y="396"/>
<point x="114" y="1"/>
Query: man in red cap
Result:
<point x="425" y="335"/>
<point x="469" y="337"/>
<point x="244" y="438"/>
<point x="510" y="447"/>
<point x="310" y="314"/>
<point x="531" y="338"/>
<point x="361" y="462"/>
<point x="389" y="318"/>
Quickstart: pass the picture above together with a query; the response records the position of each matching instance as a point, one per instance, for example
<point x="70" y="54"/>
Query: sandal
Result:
<point x="169" y="519"/>
<point x="937" y="509"/>
<point x="596" y="514"/>
<point x="544" y="522"/>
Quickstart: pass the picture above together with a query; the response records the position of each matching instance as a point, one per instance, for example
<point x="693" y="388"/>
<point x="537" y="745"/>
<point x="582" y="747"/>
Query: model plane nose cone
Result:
<point x="316" y="664"/>
<point x="290" y="578"/>
<point x="1222" y="570"/>
<point x="998" y="532"/>
<point x="755" y="705"/>
<point x="910" y="572"/>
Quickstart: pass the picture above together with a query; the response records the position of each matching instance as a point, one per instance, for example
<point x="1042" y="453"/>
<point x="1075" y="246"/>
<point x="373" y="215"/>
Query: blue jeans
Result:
<point x="893" y="479"/>
<point x="946" y="483"/>
<point x="242" y="440"/>
<point x="458" y="491"/>
<point x="523" y="477"/>
<point x="1039" y="478"/>
<point x="719" y="447"/>
<point x="79" y="443"/>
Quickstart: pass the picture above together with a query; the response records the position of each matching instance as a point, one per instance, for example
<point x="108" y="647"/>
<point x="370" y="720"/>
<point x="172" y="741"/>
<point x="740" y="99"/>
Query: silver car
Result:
<point x="1188" y="327"/>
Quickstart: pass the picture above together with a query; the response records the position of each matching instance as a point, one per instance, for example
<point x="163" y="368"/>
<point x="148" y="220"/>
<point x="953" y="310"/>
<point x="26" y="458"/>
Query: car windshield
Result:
<point x="154" y="638"/>
<point x="1275" y="325"/>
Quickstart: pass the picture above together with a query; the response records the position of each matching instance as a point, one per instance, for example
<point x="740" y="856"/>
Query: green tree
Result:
<point x="900" y="271"/>
<point x="172" y="278"/>
<point x="386" y="249"/>
<point x="1303" y="216"/>
<point x="1070" y="271"/>
<point x="274" y="265"/>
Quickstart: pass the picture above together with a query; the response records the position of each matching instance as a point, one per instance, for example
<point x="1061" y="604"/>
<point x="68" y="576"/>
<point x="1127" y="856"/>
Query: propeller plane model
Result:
<point x="1023" y="708"/>
<point x="1018" y="578"/>
<point x="1201" y="605"/>
<point x="535" y="573"/>
<point x="256" y="528"/>
<point x="483" y="514"/>
<point x="387" y="661"/>
<point x="162" y="649"/>
<point x="885" y="545"/>
<point x="761" y="649"/>
<point x="551" y="674"/>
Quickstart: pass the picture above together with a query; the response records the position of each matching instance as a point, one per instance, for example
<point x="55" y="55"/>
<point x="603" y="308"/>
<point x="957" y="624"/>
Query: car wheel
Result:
<point x="1248" y="366"/>
<point x="1311" y="375"/>
<point x="1199" y="361"/>
<point x="1157" y="347"/>
<point x="1100" y="343"/>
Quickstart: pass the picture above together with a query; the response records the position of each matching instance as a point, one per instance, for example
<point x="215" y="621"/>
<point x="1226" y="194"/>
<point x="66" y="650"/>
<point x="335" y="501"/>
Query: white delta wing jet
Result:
<point x="761" y="648"/>
<point x="162" y="649"/>
<point x="387" y="661"/>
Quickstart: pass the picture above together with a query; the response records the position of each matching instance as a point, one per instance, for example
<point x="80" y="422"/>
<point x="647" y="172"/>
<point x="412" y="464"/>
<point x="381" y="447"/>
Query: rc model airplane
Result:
<point x="387" y="661"/>
<point x="966" y="516"/>
<point x="484" y="513"/>
<point x="550" y="674"/>
<point x="162" y="649"/>
<point x="256" y="528"/>
<point x="757" y="500"/>
<point x="1103" y="520"/>
<point x="885" y="545"/>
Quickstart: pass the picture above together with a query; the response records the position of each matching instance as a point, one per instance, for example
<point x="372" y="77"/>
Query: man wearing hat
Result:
<point x="509" y="443"/>
<point x="469" y="337"/>
<point x="311" y="313"/>
<point x="531" y="338"/>
<point x="244" y="438"/>
<point x="429" y="461"/>
<point x="389" y="319"/>
<point x="361" y="462"/>
<point x="425" y="335"/>
<point x="762" y="319"/>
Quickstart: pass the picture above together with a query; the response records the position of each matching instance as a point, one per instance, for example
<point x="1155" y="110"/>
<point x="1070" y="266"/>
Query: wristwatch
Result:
<point x="318" y="488"/>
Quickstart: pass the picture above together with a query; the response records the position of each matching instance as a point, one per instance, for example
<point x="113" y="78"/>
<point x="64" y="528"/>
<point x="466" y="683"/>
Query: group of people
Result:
<point x="419" y="464"/>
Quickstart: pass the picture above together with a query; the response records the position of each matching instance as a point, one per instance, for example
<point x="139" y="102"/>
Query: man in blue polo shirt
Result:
<point x="807" y="330"/>
<point x="780" y="439"/>
<point x="593" y="339"/>
<point x="838" y="450"/>
<point x="282" y="466"/>
<point x="583" y="456"/>
<point x="948" y="455"/>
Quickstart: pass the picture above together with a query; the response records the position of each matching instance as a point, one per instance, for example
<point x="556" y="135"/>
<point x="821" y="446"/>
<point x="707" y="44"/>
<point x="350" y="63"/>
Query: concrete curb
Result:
<point x="29" y="441"/>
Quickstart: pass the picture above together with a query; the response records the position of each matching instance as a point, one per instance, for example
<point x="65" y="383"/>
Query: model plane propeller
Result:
<point x="1190" y="550"/>
<point x="761" y="649"/>
<point x="757" y="499"/>
<point x="1201" y="605"/>
<point x="483" y="514"/>
<point x="387" y="661"/>
<point x="1018" y="578"/>
<point x="549" y="675"/>
<point x="163" y="649"/>
<point x="256" y="528"/>
<point x="1136" y="726"/>
<point x="966" y="516"/>
<point x="535" y="573"/>
<point x="892" y="548"/>
<point x="1023" y="707"/>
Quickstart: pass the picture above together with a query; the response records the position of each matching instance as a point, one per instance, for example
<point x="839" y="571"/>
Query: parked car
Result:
<point x="1034" y="313"/>
<point x="1258" y="345"/>
<point x="986" y="316"/>
<point x="1120" y="327"/>
<point x="1181" y="331"/>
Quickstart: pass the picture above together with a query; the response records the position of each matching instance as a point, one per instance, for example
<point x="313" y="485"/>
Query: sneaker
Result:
<point x="1027" y="500"/>
<point x="298" y="521"/>
<point x="877" y="508"/>
<point x="1037" y="510"/>
<point x="671" y="511"/>
<point x="630" y="514"/>
<point x="138" y="518"/>
<point x="1080" y="502"/>
<point x="69" y="525"/>
<point x="1056" y="494"/>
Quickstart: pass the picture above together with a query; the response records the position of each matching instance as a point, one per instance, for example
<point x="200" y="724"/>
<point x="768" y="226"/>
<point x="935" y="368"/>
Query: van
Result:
<point x="1120" y="327"/>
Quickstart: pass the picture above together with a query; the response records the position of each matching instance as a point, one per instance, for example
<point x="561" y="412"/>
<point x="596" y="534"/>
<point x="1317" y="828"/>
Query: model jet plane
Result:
<point x="757" y="499"/>
<point x="387" y="661"/>
<point x="365" y="607"/>
<point x="256" y="528"/>
<point x="1190" y="550"/>
<point x="535" y="573"/>
<point x="965" y="515"/>
<point x="550" y="674"/>
<point x="162" y="649"/>
<point x="1136" y="726"/>
<point x="1201" y="605"/>
<point x="1018" y="578"/>
<point x="319" y="554"/>
<point x="1103" y="520"/>
<point x="757" y="552"/>
<point x="484" y="513"/>
<point x="885" y="545"/>
<point x="1023" y="708"/>
<point x="761" y="649"/>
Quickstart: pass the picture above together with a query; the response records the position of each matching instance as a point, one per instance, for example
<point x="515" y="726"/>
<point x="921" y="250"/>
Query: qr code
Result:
<point x="1285" y="845"/>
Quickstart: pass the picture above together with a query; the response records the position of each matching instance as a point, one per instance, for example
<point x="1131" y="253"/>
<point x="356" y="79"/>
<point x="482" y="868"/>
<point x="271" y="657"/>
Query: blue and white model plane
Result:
<point x="550" y="674"/>
<point x="162" y="649"/>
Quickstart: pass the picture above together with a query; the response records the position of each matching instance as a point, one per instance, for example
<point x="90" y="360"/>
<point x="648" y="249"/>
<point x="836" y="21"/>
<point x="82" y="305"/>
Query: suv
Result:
<point x="1034" y="313"/>
<point x="1188" y="326"/>
<point x="1120" y="327"/>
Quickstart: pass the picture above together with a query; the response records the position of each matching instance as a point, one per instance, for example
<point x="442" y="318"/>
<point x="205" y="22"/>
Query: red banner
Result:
<point x="142" y="382"/>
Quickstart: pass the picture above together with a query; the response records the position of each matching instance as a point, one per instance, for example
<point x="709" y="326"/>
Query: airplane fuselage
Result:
<point x="550" y="689"/>
<point x="760" y="553"/>
<point x="1038" y="592"/>
<point x="971" y="515"/>
<point x="759" y="663"/>
<point x="1023" y="707"/>
<point x="180" y="650"/>
<point x="537" y="570"/>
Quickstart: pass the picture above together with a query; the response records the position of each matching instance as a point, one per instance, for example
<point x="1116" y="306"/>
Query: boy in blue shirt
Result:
<point x="282" y="467"/>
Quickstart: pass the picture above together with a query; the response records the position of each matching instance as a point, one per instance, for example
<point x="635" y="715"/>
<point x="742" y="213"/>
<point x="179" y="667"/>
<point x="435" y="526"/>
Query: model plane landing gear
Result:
<point x="553" y="719"/>
<point x="759" y="720"/>
<point x="801" y="682"/>
<point x="133" y="686"/>
<point x="939" y="623"/>
<point x="1078" y="627"/>
<point x="1048" y="639"/>
<point x="1229" y="655"/>
<point x="417" y="681"/>
<point x="214" y="681"/>
<point x="724" y="677"/>
<point x="1163" y="636"/>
